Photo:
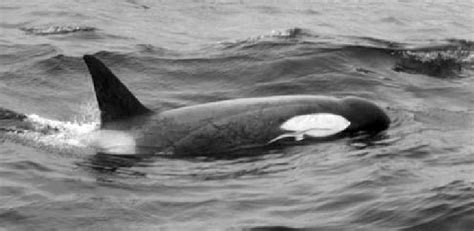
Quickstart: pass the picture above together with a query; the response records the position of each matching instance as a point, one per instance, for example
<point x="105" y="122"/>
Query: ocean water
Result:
<point x="413" y="58"/>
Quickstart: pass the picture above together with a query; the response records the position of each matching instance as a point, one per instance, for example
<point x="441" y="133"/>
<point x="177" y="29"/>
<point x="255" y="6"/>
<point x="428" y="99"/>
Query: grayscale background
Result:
<point x="413" y="58"/>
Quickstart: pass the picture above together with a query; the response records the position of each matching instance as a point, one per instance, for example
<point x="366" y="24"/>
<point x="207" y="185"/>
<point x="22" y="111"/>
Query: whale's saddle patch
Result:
<point x="115" y="100"/>
<point x="313" y="125"/>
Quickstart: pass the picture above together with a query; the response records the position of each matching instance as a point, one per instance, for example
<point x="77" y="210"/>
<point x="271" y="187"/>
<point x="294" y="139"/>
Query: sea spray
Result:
<point x="58" y="133"/>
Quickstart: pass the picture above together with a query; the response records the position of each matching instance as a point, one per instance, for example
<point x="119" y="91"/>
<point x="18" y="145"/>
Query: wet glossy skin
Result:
<point x="219" y="127"/>
<point x="231" y="125"/>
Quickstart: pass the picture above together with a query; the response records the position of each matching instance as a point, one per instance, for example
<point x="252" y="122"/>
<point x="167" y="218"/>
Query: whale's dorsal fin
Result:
<point x="115" y="100"/>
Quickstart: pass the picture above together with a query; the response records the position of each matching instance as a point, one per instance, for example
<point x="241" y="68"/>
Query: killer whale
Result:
<point x="224" y="126"/>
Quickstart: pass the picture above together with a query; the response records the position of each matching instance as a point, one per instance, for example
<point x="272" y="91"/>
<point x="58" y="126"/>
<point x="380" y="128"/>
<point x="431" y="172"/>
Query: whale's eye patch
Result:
<point x="313" y="125"/>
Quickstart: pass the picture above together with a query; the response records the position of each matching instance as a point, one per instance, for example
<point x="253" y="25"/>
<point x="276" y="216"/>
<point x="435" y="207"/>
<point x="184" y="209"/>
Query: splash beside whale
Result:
<point x="226" y="126"/>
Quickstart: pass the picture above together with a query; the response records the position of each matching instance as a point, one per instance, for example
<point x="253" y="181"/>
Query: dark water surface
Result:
<point x="413" y="58"/>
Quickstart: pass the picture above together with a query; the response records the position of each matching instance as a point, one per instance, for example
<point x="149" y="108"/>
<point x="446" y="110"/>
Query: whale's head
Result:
<point x="364" y="115"/>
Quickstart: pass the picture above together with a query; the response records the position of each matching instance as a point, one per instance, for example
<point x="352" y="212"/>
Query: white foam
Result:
<point x="57" y="133"/>
<point x="76" y="134"/>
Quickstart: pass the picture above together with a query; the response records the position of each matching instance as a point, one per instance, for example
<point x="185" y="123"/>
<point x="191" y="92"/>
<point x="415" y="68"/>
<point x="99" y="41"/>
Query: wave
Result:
<point x="434" y="58"/>
<point x="38" y="131"/>
<point x="448" y="207"/>
<point x="55" y="30"/>
<point x="6" y="114"/>
<point x="438" y="63"/>
<point x="43" y="132"/>
<point x="442" y="59"/>
<point x="57" y="133"/>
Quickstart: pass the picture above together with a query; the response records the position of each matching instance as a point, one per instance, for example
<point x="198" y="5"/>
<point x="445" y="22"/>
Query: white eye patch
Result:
<point x="313" y="125"/>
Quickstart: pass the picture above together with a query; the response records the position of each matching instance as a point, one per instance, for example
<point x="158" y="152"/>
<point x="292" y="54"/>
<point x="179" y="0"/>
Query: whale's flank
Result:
<point x="115" y="101"/>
